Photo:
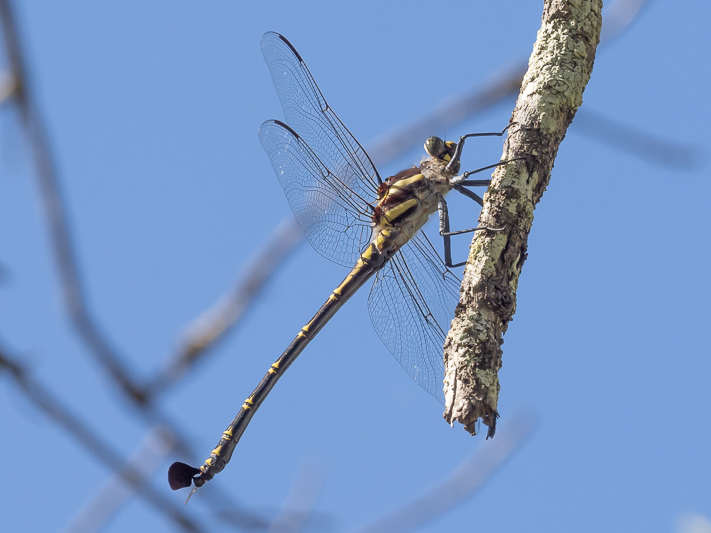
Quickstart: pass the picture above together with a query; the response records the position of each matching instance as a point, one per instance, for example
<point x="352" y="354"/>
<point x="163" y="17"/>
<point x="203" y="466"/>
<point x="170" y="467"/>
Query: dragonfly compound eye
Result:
<point x="434" y="146"/>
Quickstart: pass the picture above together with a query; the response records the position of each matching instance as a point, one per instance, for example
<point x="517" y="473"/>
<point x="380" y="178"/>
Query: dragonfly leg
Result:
<point x="444" y="231"/>
<point x="470" y="230"/>
<point x="460" y="145"/>
<point x="447" y="235"/>
<point x="469" y="194"/>
<point x="462" y="179"/>
<point x="444" y="226"/>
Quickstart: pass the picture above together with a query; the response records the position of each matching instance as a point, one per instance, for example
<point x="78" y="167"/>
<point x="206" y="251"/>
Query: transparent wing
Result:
<point x="331" y="185"/>
<point x="411" y="306"/>
<point x="315" y="124"/>
<point x="335" y="220"/>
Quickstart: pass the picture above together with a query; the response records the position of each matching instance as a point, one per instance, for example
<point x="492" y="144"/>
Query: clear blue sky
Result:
<point x="153" y="110"/>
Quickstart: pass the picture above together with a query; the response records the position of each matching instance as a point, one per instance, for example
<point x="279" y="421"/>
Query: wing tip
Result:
<point x="278" y="36"/>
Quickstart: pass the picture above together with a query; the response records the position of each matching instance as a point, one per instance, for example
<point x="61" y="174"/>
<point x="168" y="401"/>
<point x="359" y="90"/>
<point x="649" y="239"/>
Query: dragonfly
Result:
<point x="353" y="217"/>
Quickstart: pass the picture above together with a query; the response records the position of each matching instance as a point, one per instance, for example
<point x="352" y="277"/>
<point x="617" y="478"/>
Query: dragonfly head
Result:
<point x="439" y="149"/>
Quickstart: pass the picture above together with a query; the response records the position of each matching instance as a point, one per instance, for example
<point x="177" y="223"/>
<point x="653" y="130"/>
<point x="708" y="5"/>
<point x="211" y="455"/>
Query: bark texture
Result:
<point x="551" y="92"/>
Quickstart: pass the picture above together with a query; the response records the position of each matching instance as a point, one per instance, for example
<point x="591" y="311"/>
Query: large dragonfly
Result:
<point x="352" y="216"/>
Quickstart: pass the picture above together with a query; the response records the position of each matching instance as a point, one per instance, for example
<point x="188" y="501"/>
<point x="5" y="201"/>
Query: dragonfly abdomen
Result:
<point x="373" y="258"/>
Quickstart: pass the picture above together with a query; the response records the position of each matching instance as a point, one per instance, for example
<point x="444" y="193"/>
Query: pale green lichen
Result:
<point x="489" y="379"/>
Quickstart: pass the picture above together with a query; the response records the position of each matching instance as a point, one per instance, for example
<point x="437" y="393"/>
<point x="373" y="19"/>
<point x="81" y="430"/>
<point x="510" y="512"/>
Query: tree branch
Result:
<point x="552" y="89"/>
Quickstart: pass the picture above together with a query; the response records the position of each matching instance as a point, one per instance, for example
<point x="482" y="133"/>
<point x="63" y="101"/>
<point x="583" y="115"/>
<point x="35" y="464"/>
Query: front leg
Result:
<point x="460" y="145"/>
<point x="462" y="179"/>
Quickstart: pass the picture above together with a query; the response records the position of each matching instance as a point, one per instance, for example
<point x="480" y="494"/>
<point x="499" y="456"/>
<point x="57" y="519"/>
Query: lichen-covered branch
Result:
<point x="551" y="92"/>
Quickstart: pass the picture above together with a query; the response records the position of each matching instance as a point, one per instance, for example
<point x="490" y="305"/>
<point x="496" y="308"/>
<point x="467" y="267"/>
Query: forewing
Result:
<point x="308" y="114"/>
<point x="335" y="220"/>
<point x="411" y="306"/>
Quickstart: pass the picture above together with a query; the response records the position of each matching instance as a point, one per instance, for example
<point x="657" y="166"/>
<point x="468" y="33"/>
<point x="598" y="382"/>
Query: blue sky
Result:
<point x="153" y="111"/>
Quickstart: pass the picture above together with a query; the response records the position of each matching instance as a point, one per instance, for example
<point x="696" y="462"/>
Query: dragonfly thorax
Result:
<point x="407" y="199"/>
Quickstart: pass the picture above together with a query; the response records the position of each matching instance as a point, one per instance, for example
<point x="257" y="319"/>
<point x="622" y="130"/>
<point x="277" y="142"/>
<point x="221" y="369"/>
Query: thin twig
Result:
<point x="464" y="481"/>
<point x="53" y="407"/>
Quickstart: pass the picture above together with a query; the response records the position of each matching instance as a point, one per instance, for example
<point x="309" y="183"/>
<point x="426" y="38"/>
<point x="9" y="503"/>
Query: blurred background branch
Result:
<point x="71" y="285"/>
<point x="108" y="500"/>
<point x="55" y="211"/>
<point x="7" y="87"/>
<point x="299" y="505"/>
<point x="462" y="483"/>
<point x="53" y="407"/>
